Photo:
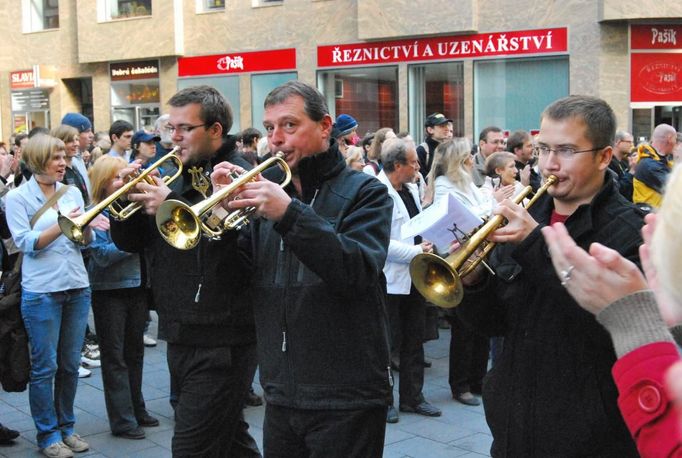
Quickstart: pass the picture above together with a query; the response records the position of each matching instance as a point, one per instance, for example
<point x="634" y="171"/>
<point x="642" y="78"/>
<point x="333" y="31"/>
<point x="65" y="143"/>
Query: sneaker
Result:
<point x="90" y="363"/>
<point x="392" y="415"/>
<point x="136" y="433"/>
<point x="75" y="443"/>
<point x="91" y="352"/>
<point x="148" y="341"/>
<point x="83" y="372"/>
<point x="7" y="435"/>
<point x="58" y="450"/>
<point x="466" y="398"/>
<point x="422" y="408"/>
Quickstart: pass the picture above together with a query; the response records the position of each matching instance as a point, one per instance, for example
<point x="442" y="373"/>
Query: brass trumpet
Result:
<point x="181" y="225"/>
<point x="73" y="228"/>
<point x="439" y="280"/>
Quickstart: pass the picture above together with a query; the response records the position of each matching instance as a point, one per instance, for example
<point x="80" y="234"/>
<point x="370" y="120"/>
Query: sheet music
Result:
<point x="442" y="222"/>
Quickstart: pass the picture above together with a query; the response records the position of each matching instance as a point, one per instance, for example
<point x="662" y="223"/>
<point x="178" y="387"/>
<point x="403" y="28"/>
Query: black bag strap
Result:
<point x="50" y="202"/>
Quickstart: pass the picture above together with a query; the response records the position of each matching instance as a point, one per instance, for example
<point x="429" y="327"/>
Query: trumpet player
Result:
<point x="551" y="391"/>
<point x="203" y="312"/>
<point x="319" y="247"/>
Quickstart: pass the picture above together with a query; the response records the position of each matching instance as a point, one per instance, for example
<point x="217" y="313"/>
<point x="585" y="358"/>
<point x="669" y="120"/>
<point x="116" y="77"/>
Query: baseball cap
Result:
<point x="78" y="121"/>
<point x="436" y="119"/>
<point x="141" y="136"/>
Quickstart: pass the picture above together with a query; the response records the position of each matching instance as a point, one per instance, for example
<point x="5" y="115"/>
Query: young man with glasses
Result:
<point x="551" y="392"/>
<point x="204" y="314"/>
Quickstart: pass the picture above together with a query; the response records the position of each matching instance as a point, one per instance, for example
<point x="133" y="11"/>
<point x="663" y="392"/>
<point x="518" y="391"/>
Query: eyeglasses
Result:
<point x="183" y="128"/>
<point x="564" y="152"/>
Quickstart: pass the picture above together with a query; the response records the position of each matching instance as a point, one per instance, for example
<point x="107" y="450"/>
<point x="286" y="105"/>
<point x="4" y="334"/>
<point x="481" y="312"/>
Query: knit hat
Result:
<point x="345" y="125"/>
<point x="78" y="121"/>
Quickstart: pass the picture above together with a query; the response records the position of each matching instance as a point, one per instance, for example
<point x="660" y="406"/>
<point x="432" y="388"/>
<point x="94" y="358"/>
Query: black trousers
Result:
<point x="406" y="314"/>
<point x="296" y="433"/>
<point x="210" y="384"/>
<point x="468" y="357"/>
<point x="119" y="318"/>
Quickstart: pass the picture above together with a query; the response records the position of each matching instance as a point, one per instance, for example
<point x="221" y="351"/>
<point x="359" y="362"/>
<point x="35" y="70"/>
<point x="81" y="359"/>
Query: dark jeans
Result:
<point x="296" y="433"/>
<point x="210" y="384"/>
<point x="406" y="314"/>
<point x="119" y="319"/>
<point x="468" y="357"/>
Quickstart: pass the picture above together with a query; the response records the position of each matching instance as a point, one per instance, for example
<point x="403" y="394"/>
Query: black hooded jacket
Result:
<point x="319" y="290"/>
<point x="551" y="392"/>
<point x="201" y="294"/>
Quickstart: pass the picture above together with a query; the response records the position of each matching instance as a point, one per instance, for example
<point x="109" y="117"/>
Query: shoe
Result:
<point x="7" y="435"/>
<point x="90" y="363"/>
<point x="57" y="450"/>
<point x="135" y="434"/>
<point x="392" y="415"/>
<point x="147" y="420"/>
<point x="466" y="398"/>
<point x="423" y="408"/>
<point x="91" y="352"/>
<point x="75" y="443"/>
<point x="148" y="341"/>
<point x="83" y="372"/>
<point x="252" y="399"/>
<point x="427" y="363"/>
<point x="91" y="338"/>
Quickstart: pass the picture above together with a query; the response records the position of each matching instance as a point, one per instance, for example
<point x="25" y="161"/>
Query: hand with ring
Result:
<point x="595" y="279"/>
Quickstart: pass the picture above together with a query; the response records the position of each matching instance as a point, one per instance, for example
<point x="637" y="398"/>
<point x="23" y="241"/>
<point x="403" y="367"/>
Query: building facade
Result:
<point x="388" y="63"/>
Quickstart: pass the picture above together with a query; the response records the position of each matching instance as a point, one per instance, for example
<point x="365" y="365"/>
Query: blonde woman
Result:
<point x="635" y="311"/>
<point x="373" y="166"/>
<point x="354" y="158"/>
<point x="55" y="295"/>
<point x="119" y="306"/>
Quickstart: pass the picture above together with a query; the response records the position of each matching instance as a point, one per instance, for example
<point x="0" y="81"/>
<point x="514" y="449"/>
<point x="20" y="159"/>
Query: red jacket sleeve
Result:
<point x="646" y="407"/>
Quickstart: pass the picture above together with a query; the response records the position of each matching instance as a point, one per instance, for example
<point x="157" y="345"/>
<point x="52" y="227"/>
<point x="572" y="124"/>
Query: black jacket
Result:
<point x="319" y="289"/>
<point x="201" y="294"/>
<point x="551" y="392"/>
<point x="426" y="158"/>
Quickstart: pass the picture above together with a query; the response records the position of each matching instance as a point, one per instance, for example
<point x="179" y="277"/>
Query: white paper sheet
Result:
<point x="439" y="223"/>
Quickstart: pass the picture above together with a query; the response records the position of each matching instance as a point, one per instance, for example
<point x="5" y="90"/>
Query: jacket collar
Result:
<point x="582" y="219"/>
<point x="411" y="187"/>
<point x="315" y="170"/>
<point x="225" y="152"/>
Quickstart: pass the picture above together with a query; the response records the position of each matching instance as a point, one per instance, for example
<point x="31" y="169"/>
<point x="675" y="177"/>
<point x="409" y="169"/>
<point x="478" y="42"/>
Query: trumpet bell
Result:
<point x="73" y="230"/>
<point x="436" y="280"/>
<point x="178" y="225"/>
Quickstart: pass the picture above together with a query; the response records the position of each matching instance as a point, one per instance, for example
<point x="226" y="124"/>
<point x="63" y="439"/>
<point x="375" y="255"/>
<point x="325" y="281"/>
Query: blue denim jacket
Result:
<point x="111" y="268"/>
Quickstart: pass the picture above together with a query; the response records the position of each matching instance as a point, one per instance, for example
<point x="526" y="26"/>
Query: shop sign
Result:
<point x="36" y="100"/>
<point x="656" y="77"/>
<point x="454" y="47"/>
<point x="138" y="70"/>
<point x="220" y="64"/>
<point x="22" y="79"/>
<point x="656" y="36"/>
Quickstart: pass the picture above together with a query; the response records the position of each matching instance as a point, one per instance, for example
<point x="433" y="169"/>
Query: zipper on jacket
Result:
<point x="390" y="376"/>
<point x="284" y="340"/>
<point x="198" y="294"/>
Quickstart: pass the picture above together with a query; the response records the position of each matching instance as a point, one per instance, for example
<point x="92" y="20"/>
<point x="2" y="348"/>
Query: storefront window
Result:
<point x="40" y="15"/>
<point x="261" y="85"/>
<point x="369" y="94"/>
<point x="108" y="10"/>
<point x="512" y="93"/>
<point x="436" y="88"/>
<point x="228" y="86"/>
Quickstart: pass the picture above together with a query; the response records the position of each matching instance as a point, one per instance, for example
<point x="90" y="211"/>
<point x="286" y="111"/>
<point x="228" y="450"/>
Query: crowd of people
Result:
<point x="316" y="291"/>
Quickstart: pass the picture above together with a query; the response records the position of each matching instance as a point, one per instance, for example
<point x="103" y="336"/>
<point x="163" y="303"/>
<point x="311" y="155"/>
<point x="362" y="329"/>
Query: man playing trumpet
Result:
<point x="319" y="247"/>
<point x="199" y="293"/>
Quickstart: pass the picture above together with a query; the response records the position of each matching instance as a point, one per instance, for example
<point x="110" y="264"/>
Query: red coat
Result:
<point x="646" y="407"/>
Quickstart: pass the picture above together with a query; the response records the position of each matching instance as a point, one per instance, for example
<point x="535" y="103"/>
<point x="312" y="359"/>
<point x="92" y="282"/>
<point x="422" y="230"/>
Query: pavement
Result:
<point x="460" y="432"/>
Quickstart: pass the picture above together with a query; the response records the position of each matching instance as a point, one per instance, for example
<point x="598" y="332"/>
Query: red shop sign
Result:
<point x="256" y="61"/>
<point x="656" y="77"/>
<point x="455" y="47"/>
<point x="656" y="36"/>
<point x="22" y="79"/>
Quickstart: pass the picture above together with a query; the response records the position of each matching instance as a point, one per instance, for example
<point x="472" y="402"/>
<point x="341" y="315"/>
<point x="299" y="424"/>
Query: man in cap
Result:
<point x="344" y="131"/>
<point x="85" y="137"/>
<point x="437" y="131"/>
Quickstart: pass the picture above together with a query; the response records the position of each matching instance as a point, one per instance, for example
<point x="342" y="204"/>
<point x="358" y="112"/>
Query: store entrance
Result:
<point x="81" y="91"/>
<point x="669" y="115"/>
<point x="645" y="119"/>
